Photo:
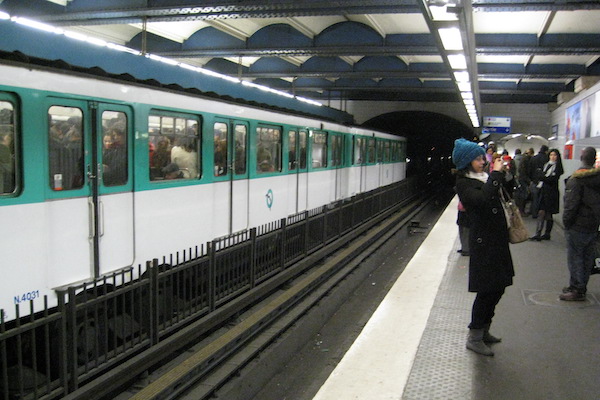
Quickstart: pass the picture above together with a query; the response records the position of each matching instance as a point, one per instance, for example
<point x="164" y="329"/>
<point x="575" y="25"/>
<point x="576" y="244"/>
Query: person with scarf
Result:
<point x="490" y="266"/>
<point x="549" y="195"/>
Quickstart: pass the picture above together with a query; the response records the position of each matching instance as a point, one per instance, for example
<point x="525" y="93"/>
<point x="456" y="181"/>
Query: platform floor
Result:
<point x="413" y="347"/>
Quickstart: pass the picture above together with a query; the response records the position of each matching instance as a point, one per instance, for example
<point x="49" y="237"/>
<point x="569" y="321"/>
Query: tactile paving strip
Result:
<point x="442" y="368"/>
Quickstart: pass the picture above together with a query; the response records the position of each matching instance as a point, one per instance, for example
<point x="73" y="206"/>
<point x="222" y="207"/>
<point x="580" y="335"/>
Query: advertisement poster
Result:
<point x="583" y="119"/>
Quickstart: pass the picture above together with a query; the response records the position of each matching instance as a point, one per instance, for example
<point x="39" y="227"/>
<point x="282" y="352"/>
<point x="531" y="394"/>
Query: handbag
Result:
<point x="517" y="231"/>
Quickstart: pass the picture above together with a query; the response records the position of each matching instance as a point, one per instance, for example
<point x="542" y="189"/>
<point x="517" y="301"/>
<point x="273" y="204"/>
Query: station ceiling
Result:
<point x="524" y="51"/>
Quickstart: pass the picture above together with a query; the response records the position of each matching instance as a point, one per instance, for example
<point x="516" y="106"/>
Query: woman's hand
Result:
<point x="498" y="164"/>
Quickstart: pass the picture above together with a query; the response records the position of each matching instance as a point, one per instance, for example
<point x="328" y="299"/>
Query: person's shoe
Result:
<point x="568" y="289"/>
<point x="488" y="338"/>
<point x="475" y="343"/>
<point x="545" y="236"/>
<point x="465" y="254"/>
<point x="572" y="296"/>
<point x="537" y="238"/>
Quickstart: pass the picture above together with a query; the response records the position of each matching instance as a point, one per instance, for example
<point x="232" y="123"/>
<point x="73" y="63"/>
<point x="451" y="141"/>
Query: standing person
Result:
<point x="581" y="219"/>
<point x="536" y="168"/>
<point x="523" y="182"/>
<point x="490" y="266"/>
<point x="549" y="196"/>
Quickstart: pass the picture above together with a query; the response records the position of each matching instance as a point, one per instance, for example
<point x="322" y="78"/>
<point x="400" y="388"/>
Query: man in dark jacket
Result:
<point x="581" y="218"/>
<point x="536" y="173"/>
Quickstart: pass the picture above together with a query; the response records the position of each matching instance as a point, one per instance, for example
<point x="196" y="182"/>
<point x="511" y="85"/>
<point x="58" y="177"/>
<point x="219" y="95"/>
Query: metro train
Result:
<point x="97" y="174"/>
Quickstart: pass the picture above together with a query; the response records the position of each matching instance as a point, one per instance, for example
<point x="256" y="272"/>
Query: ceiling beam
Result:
<point x="534" y="5"/>
<point x="208" y="10"/>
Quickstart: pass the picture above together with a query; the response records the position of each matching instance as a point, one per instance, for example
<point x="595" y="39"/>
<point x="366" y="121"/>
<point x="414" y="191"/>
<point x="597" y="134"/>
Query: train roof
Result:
<point x="23" y="44"/>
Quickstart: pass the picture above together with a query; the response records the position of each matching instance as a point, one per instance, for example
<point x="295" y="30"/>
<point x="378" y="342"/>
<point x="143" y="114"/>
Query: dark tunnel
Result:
<point x="430" y="137"/>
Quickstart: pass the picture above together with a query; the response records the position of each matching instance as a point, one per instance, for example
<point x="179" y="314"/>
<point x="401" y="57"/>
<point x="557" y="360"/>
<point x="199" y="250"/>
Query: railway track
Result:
<point x="201" y="370"/>
<point x="204" y="354"/>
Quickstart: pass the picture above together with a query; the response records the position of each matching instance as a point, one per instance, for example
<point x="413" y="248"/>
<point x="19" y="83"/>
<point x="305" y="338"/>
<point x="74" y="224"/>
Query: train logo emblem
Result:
<point x="269" y="197"/>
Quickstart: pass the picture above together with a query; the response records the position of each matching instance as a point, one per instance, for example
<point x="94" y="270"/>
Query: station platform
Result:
<point x="413" y="346"/>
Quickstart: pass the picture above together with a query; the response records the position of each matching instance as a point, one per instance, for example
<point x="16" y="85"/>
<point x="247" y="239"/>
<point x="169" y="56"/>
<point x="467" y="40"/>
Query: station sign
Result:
<point x="496" y="125"/>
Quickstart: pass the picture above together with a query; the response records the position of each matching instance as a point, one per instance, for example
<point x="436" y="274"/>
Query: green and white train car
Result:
<point x="97" y="174"/>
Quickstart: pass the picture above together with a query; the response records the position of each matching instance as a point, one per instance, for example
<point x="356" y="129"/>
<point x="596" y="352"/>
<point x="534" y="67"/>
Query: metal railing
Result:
<point x="100" y="324"/>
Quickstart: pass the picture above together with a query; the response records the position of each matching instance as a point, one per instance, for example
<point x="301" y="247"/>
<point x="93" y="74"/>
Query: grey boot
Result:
<point x="476" y="344"/>
<point x="489" y="338"/>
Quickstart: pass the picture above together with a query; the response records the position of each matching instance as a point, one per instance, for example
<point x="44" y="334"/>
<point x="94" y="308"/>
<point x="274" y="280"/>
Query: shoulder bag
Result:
<point x="517" y="231"/>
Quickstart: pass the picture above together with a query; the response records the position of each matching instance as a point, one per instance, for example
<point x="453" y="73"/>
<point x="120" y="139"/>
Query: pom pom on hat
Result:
<point x="464" y="152"/>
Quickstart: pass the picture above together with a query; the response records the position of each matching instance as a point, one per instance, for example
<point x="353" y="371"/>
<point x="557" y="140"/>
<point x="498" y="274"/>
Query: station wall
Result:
<point x="529" y="119"/>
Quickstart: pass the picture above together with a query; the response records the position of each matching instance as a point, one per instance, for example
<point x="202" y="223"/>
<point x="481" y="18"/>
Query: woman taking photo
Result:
<point x="490" y="267"/>
<point x="549" y="195"/>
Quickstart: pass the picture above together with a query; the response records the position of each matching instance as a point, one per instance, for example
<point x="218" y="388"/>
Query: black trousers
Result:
<point x="484" y="308"/>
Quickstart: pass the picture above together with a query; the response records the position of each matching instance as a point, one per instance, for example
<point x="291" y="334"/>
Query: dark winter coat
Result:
<point x="490" y="267"/>
<point x="582" y="201"/>
<point x="550" y="198"/>
<point x="536" y="166"/>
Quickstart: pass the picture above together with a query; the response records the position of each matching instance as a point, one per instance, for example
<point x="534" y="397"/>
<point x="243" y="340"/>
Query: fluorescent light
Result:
<point x="451" y="38"/>
<point x="124" y="49"/>
<point x="37" y="25"/>
<point x="461" y="76"/>
<point x="4" y="15"/>
<point x="464" y="86"/>
<point x="309" y="101"/>
<point x="440" y="13"/>
<point x="457" y="61"/>
<point x="466" y="95"/>
<point x="161" y="59"/>
<point x="75" y="35"/>
<point x="468" y="102"/>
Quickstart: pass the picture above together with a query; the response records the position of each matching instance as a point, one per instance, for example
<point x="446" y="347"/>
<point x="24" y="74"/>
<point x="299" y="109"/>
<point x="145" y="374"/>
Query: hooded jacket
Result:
<point x="582" y="201"/>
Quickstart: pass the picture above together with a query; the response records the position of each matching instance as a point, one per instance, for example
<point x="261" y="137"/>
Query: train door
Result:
<point x="231" y="165"/>
<point x="112" y="186"/>
<point x="337" y="162"/>
<point x="369" y="176"/>
<point x="90" y="207"/>
<point x="360" y="160"/>
<point x="297" y="144"/>
<point x="380" y="165"/>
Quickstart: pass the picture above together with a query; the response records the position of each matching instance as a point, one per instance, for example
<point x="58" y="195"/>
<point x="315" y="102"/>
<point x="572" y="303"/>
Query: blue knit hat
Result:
<point x="464" y="152"/>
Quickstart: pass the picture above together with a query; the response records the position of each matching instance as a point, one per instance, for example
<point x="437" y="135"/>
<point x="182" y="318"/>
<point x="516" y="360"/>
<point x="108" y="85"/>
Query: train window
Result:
<point x="386" y="151"/>
<point x="8" y="164"/>
<point x="292" y="164"/>
<point x="114" y="148"/>
<point x="359" y="149"/>
<point x="241" y="138"/>
<point x="303" y="138"/>
<point x="65" y="148"/>
<point x="220" y="137"/>
<point x="268" y="149"/>
<point x="371" y="150"/>
<point x="336" y="150"/>
<point x="319" y="149"/>
<point x="173" y="147"/>
<point x="379" y="151"/>
<point x="296" y="150"/>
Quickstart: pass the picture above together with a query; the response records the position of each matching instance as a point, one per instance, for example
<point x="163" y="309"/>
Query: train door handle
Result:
<point x="92" y="218"/>
<point x="101" y="218"/>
